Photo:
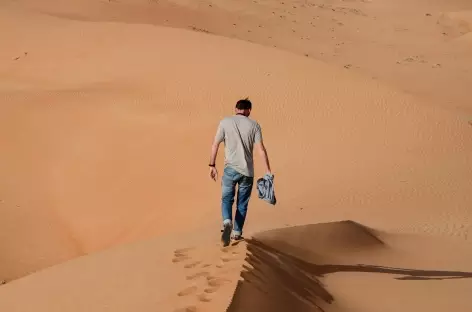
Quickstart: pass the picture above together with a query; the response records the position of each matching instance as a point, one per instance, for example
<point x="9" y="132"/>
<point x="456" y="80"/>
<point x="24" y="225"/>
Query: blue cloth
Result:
<point x="266" y="190"/>
<point x="229" y="180"/>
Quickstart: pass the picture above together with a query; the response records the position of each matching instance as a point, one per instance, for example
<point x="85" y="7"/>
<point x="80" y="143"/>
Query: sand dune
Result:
<point x="459" y="24"/>
<point x="408" y="44"/>
<point x="277" y="270"/>
<point x="102" y="144"/>
<point x="107" y="111"/>
<point x="165" y="274"/>
<point x="283" y="273"/>
<point x="456" y="23"/>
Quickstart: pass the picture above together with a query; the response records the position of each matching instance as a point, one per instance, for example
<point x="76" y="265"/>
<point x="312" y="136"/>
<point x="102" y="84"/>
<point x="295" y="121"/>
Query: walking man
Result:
<point x="240" y="135"/>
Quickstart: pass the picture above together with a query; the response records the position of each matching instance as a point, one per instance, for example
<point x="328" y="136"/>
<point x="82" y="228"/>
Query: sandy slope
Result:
<point x="410" y="44"/>
<point x="344" y="266"/>
<point x="105" y="130"/>
<point x="339" y="266"/>
<point x="161" y="275"/>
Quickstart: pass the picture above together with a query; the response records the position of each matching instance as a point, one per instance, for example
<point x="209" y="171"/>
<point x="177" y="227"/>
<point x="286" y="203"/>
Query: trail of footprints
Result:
<point x="204" y="278"/>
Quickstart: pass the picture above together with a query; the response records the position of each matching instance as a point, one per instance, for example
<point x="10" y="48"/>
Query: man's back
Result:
<point x="239" y="134"/>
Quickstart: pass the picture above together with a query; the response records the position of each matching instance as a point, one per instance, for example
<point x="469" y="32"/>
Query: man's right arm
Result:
<point x="263" y="153"/>
<point x="259" y="143"/>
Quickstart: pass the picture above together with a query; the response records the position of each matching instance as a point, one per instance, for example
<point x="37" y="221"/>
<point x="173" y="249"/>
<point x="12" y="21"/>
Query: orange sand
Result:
<point x="107" y="113"/>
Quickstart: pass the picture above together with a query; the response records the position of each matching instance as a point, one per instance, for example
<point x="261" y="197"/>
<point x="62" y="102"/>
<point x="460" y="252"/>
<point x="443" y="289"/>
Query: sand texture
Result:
<point x="107" y="114"/>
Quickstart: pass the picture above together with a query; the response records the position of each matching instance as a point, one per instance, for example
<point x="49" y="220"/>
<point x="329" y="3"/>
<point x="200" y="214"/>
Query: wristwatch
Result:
<point x="211" y="165"/>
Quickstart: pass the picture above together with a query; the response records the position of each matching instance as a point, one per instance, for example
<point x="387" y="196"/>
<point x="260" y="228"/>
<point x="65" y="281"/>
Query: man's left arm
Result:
<point x="214" y="151"/>
<point x="219" y="137"/>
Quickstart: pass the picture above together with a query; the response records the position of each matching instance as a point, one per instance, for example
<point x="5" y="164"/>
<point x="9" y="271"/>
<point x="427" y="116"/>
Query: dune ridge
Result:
<point x="99" y="140"/>
<point x="272" y="270"/>
<point x="107" y="112"/>
<point x="277" y="277"/>
<point x="456" y="24"/>
<point x="355" y="35"/>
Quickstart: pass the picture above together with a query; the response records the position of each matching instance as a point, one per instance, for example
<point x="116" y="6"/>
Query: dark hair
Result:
<point x="244" y="104"/>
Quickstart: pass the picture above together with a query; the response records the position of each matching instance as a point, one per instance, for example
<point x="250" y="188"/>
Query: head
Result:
<point x="243" y="107"/>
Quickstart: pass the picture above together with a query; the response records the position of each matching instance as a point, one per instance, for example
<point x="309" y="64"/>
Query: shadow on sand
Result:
<point x="275" y="281"/>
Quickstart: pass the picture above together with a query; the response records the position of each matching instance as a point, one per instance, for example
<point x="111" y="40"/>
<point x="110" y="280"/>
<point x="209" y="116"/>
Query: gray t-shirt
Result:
<point x="239" y="133"/>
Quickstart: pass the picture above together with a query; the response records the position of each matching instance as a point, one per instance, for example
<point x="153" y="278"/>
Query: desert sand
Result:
<point x="107" y="113"/>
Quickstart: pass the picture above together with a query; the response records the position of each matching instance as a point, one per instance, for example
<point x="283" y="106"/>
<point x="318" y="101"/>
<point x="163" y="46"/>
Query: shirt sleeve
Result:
<point x="220" y="133"/>
<point x="258" y="134"/>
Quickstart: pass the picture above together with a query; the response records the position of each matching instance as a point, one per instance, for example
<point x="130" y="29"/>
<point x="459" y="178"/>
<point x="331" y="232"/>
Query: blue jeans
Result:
<point x="228" y="183"/>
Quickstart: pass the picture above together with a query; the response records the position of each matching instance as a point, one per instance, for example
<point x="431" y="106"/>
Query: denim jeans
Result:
<point x="230" y="179"/>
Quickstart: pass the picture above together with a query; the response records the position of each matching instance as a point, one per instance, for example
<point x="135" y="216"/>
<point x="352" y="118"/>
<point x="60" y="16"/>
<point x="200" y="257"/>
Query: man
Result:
<point x="240" y="135"/>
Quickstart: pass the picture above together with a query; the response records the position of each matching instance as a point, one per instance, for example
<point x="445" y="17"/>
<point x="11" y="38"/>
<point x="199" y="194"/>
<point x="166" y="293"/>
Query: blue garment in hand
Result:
<point x="265" y="188"/>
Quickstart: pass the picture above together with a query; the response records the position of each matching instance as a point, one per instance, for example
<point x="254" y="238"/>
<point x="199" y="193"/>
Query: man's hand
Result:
<point x="213" y="173"/>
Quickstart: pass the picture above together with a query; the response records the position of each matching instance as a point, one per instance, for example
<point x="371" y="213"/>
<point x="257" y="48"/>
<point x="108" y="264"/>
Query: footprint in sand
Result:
<point x="182" y="251"/>
<point x="180" y="258"/>
<point x="216" y="281"/>
<point x="225" y="259"/>
<point x="203" y="298"/>
<point x="211" y="290"/>
<point x="197" y="275"/>
<point x="229" y="249"/>
<point x="181" y="255"/>
<point x="187" y="309"/>
<point x="187" y="291"/>
<point x="192" y="265"/>
<point x="236" y="243"/>
<point x="216" y="266"/>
